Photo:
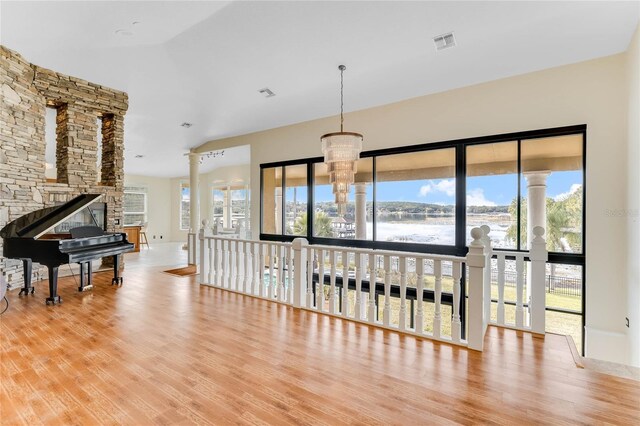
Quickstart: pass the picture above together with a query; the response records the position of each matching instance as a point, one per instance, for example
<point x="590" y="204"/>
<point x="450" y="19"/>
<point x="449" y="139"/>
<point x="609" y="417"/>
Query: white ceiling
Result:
<point x="204" y="62"/>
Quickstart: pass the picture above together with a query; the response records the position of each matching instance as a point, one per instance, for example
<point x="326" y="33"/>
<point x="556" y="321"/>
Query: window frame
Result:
<point x="183" y="184"/>
<point x="145" y="213"/>
<point x="460" y="248"/>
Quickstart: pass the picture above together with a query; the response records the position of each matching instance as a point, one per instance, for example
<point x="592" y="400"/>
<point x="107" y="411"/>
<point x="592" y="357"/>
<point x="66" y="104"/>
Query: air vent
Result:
<point x="186" y="125"/>
<point x="267" y="92"/>
<point x="444" y="41"/>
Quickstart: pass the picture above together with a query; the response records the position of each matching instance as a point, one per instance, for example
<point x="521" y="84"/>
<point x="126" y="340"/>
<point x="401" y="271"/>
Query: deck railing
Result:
<point x="348" y="282"/>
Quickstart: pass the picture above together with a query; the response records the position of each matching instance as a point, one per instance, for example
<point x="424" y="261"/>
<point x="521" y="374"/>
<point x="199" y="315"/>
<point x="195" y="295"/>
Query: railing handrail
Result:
<point x="391" y="253"/>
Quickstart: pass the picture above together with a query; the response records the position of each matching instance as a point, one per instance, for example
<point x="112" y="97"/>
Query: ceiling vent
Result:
<point x="267" y="92"/>
<point x="444" y="41"/>
<point x="186" y="125"/>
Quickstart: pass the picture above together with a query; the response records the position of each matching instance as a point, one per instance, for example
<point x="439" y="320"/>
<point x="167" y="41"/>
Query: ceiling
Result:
<point x="204" y="62"/>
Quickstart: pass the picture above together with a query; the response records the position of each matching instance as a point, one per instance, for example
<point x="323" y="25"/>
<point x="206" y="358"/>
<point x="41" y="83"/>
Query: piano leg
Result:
<point x="85" y="285"/>
<point x="27" y="268"/>
<point x="53" y="286"/>
<point x="117" y="279"/>
<point x="81" y="288"/>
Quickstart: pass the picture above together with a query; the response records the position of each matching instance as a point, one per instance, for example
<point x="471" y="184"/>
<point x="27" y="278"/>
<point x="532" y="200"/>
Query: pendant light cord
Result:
<point x="341" y="68"/>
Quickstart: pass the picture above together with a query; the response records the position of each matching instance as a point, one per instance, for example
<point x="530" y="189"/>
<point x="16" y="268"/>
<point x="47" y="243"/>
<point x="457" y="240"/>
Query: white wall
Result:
<point x="633" y="199"/>
<point x="158" y="205"/>
<point x="592" y="93"/>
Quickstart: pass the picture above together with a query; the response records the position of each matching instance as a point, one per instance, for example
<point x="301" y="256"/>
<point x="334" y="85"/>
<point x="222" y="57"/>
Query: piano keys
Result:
<point x="73" y="232"/>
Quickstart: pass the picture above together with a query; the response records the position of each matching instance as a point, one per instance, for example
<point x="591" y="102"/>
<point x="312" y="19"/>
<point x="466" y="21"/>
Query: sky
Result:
<point x="496" y="190"/>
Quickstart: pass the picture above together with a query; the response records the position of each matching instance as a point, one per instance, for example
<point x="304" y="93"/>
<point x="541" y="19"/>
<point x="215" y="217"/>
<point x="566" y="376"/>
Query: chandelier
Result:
<point x="341" y="151"/>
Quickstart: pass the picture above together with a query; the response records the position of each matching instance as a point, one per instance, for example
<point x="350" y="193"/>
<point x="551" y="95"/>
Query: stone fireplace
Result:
<point x="27" y="90"/>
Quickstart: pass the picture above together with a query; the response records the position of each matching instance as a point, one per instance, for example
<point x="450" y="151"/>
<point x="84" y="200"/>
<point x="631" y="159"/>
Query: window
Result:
<point x="135" y="205"/>
<point x="295" y="200"/>
<point x="416" y="197"/>
<point x="357" y="222"/>
<point x="239" y="206"/>
<point x="184" y="207"/>
<point x="552" y="186"/>
<point x="50" y="136"/>
<point x="272" y="200"/>
<point x="217" y="199"/>
<point x="492" y="191"/>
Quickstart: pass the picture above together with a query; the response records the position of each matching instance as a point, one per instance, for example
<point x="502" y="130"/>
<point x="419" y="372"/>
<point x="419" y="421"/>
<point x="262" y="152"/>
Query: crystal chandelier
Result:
<point x="341" y="151"/>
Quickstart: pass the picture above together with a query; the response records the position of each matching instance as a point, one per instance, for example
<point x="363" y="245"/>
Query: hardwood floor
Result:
<point x="164" y="350"/>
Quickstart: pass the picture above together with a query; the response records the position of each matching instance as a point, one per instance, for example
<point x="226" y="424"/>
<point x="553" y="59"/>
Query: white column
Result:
<point x="536" y="212"/>
<point x="194" y="192"/>
<point x="361" y="211"/>
<point x="226" y="209"/>
<point x="278" y="210"/>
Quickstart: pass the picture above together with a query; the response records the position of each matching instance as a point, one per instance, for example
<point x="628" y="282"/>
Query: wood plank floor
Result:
<point x="164" y="350"/>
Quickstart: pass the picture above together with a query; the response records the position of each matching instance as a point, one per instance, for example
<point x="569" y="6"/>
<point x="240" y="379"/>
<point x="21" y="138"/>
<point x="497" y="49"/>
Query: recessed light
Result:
<point x="124" y="33"/>
<point x="267" y="92"/>
<point x="444" y="41"/>
<point x="139" y="156"/>
<point x="186" y="125"/>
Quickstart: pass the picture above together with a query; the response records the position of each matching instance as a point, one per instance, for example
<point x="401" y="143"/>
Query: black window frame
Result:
<point x="460" y="247"/>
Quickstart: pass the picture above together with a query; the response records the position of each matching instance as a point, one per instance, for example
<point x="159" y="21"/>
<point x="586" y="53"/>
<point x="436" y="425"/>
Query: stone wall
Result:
<point x="26" y="91"/>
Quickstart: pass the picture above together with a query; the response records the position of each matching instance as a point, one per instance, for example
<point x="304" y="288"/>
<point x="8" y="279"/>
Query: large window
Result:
<point x="416" y="197"/>
<point x="184" y="207"/>
<point x="357" y="222"/>
<point x="428" y="197"/>
<point x="135" y="205"/>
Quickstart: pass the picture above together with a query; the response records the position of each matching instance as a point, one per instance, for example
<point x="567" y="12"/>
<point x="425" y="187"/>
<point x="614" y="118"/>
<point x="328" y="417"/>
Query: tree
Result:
<point x="564" y="222"/>
<point x="322" y="225"/>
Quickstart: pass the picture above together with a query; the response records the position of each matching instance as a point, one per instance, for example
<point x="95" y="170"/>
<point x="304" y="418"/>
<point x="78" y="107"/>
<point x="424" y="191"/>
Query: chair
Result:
<point x="143" y="235"/>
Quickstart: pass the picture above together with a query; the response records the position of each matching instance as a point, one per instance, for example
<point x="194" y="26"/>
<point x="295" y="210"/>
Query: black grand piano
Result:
<point x="73" y="232"/>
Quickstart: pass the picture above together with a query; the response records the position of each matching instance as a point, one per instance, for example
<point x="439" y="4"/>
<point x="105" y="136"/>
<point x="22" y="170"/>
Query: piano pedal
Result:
<point x="53" y="300"/>
<point x="86" y="288"/>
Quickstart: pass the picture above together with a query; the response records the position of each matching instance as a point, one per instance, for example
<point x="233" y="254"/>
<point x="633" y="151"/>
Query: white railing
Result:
<point x="311" y="277"/>
<point x="524" y="310"/>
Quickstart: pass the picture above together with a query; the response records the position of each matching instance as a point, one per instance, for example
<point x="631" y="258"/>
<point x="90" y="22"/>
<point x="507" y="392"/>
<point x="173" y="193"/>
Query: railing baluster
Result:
<point x="272" y="260"/>
<point x="310" y="261"/>
<point x="402" y="321"/>
<point x="386" y="311"/>
<point x="419" y="321"/>
<point x="332" y="283"/>
<point x="247" y="268"/>
<point x="501" y="262"/>
<point x="455" y="321"/>
<point x="218" y="262"/>
<point x="519" y="290"/>
<point x="281" y="274"/>
<point x="239" y="263"/>
<point x="225" y="264"/>
<point x="255" y="268"/>
<point x="210" y="272"/>
<point x="345" y="284"/>
<point x="320" y="291"/>
<point x="261" y="256"/>
<point x="437" y="316"/>
<point x="358" y="302"/>
<point x="372" y="288"/>
<point x="289" y="283"/>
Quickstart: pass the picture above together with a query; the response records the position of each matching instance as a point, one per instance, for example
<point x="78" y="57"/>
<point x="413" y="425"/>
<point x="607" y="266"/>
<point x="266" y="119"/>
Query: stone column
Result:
<point x="194" y="192"/>
<point x="361" y="210"/>
<point x="278" y="210"/>
<point x="536" y="212"/>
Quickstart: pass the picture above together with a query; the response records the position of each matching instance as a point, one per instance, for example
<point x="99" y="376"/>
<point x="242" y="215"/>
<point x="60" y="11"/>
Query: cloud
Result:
<point x="564" y="195"/>
<point x="475" y="197"/>
<point x="446" y="186"/>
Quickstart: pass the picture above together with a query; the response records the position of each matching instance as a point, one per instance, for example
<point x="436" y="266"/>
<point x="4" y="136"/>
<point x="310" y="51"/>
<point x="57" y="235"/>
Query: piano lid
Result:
<point x="39" y="222"/>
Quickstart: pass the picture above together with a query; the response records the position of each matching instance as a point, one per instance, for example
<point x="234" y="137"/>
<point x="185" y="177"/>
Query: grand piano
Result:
<point x="73" y="232"/>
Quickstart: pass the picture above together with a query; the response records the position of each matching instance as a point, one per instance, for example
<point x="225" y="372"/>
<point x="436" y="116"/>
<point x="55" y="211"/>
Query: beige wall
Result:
<point x="633" y="199"/>
<point x="158" y="205"/>
<point x="218" y="177"/>
<point x="593" y="93"/>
